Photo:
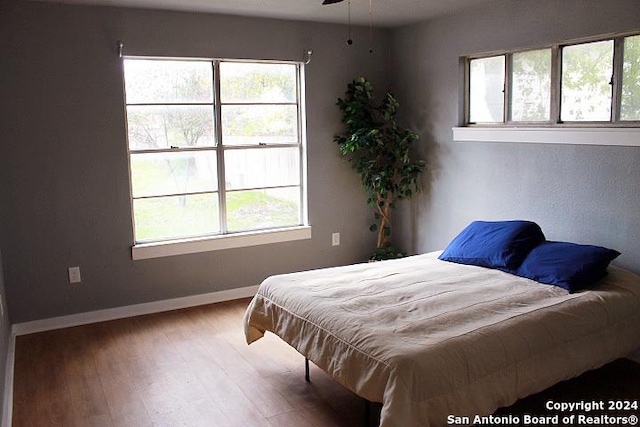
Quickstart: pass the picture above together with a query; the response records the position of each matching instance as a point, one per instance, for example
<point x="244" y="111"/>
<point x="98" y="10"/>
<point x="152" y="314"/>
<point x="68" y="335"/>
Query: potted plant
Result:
<point x="381" y="153"/>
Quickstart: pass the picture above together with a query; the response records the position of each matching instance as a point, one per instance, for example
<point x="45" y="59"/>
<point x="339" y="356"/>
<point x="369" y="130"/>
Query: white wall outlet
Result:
<point x="74" y="275"/>
<point x="335" y="239"/>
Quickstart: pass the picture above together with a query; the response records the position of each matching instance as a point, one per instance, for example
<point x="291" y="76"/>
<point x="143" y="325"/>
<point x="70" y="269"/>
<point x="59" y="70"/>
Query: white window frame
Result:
<point x="225" y="239"/>
<point x="613" y="132"/>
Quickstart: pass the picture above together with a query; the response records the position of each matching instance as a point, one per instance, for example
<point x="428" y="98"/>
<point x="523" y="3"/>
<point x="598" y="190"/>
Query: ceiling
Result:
<point x="386" y="13"/>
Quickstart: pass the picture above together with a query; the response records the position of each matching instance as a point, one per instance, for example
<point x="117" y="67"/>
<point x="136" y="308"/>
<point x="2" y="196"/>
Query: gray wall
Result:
<point x="64" y="192"/>
<point x="63" y="171"/>
<point x="584" y="194"/>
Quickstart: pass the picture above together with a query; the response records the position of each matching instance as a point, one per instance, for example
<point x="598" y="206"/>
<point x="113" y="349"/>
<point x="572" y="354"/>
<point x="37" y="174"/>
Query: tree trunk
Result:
<point x="385" y="221"/>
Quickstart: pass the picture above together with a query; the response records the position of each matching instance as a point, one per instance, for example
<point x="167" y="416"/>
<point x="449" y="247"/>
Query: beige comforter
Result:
<point x="429" y="338"/>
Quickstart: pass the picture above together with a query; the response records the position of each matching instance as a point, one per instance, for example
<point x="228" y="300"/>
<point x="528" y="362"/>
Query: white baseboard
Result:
<point x="130" y="311"/>
<point x="7" y="404"/>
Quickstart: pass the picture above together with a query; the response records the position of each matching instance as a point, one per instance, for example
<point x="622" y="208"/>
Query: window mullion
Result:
<point x="172" y="149"/>
<point x="508" y="70"/>
<point x="217" y="110"/>
<point x="301" y="136"/>
<point x="158" y="196"/>
<point x="556" y="83"/>
<point x="466" y="98"/>
<point x="261" y="147"/>
<point x="616" y="79"/>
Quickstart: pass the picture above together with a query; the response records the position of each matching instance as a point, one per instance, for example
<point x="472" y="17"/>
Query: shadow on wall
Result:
<point x="430" y="151"/>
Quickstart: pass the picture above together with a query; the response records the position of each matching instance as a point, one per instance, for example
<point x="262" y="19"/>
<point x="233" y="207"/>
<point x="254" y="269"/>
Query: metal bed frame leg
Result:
<point x="306" y="370"/>
<point x="367" y="413"/>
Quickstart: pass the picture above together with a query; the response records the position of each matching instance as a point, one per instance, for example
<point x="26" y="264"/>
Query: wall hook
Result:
<point x="307" y="56"/>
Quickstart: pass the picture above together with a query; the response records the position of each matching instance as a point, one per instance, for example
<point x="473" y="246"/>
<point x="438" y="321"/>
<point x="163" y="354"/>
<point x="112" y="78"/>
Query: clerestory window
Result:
<point x="594" y="82"/>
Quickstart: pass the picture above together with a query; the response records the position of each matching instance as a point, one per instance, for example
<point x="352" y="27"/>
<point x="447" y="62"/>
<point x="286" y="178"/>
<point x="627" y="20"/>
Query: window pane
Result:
<point x="531" y="86"/>
<point x="259" y="124"/>
<point x="631" y="79"/>
<point x="586" y="78"/>
<point x="256" y="209"/>
<point x="176" y="217"/>
<point x="261" y="167"/>
<point x="257" y="83"/>
<point x="167" y="82"/>
<point x="154" y="127"/>
<point x="486" y="91"/>
<point x="158" y="174"/>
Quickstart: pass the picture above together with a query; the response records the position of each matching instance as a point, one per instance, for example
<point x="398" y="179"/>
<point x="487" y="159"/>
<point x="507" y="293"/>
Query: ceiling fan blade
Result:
<point x="331" y="1"/>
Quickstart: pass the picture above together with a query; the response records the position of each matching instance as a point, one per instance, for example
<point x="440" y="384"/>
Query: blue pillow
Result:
<point x="568" y="265"/>
<point x="494" y="244"/>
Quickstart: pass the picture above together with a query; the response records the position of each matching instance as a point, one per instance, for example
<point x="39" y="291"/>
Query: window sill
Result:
<point x="214" y="243"/>
<point x="619" y="136"/>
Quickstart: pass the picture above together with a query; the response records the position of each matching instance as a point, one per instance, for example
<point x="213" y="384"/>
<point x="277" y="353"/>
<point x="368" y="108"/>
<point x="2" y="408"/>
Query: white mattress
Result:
<point x="429" y="338"/>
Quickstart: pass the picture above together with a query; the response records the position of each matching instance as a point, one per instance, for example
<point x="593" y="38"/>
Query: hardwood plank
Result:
<point x="88" y="402"/>
<point x="289" y="419"/>
<point x="52" y="392"/>
<point x="123" y="398"/>
<point x="309" y="402"/>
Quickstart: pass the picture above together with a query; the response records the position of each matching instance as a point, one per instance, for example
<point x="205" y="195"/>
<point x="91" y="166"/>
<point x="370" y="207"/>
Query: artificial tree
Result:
<point x="381" y="152"/>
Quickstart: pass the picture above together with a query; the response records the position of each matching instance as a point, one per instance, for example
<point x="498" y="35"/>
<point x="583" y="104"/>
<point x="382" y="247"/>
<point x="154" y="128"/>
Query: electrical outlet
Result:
<point x="74" y="275"/>
<point x="335" y="239"/>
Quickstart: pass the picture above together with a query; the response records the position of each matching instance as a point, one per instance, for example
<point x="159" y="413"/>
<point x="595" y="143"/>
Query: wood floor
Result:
<point x="193" y="368"/>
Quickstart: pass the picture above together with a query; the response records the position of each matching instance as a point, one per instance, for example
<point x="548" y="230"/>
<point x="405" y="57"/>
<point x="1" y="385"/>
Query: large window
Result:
<point x="215" y="147"/>
<point x="589" y="82"/>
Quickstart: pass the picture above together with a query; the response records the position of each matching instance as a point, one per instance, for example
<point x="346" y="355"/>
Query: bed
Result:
<point x="429" y="338"/>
